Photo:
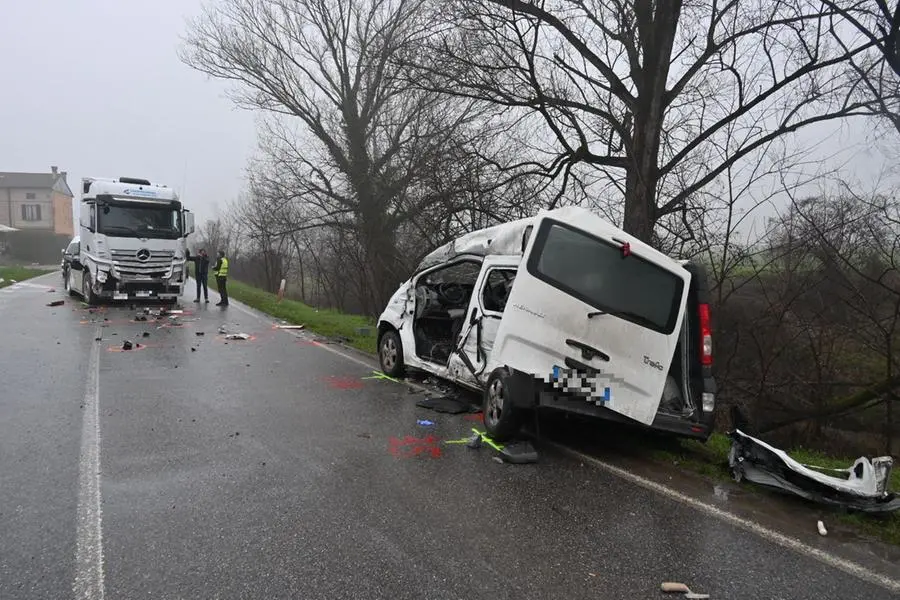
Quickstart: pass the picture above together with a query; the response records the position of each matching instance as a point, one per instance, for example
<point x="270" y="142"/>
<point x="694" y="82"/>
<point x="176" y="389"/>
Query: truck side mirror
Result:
<point x="188" y="223"/>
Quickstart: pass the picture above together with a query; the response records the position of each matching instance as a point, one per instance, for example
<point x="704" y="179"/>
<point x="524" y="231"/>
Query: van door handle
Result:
<point x="588" y="352"/>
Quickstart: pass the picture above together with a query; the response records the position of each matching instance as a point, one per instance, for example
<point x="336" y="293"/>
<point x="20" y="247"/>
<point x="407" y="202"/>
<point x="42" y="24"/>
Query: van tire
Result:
<point x="502" y="420"/>
<point x="390" y="354"/>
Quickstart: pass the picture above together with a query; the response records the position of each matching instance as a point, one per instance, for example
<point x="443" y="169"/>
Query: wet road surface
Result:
<point x="274" y="468"/>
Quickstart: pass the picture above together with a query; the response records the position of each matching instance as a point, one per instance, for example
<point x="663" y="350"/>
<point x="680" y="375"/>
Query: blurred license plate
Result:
<point x="142" y="294"/>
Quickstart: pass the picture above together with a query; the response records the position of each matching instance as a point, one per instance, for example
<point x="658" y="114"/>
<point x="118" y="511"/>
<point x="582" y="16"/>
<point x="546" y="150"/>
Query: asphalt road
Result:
<point x="197" y="467"/>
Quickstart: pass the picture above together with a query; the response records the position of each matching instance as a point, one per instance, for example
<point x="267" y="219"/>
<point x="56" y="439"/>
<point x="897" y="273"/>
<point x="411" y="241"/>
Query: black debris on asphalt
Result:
<point x="519" y="453"/>
<point x="56" y="303"/>
<point x="127" y="345"/>
<point x="447" y="404"/>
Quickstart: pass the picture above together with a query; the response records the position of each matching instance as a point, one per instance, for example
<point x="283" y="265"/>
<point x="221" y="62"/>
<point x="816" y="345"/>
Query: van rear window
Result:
<point x="595" y="272"/>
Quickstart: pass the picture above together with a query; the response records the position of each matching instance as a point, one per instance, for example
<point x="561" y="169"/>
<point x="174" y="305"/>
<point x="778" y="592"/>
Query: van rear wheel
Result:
<point x="390" y="354"/>
<point x="502" y="420"/>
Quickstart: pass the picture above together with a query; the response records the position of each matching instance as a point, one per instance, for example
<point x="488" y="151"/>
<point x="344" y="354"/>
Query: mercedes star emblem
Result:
<point x="143" y="254"/>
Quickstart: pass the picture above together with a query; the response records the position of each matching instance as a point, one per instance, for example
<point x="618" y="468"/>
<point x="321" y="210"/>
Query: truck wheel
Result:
<point x="502" y="420"/>
<point x="390" y="354"/>
<point x="87" y="292"/>
<point x="67" y="283"/>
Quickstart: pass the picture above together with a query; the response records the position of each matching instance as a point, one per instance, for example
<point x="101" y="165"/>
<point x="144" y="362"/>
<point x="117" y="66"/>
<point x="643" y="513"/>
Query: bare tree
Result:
<point x="877" y="73"/>
<point x="645" y="92"/>
<point x="366" y="134"/>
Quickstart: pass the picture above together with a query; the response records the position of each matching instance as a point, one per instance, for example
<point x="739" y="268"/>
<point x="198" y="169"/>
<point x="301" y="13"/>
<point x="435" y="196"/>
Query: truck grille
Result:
<point x="128" y="265"/>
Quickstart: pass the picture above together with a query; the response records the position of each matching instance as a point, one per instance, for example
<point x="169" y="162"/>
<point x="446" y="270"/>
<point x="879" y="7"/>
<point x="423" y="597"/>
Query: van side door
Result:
<point x="476" y="340"/>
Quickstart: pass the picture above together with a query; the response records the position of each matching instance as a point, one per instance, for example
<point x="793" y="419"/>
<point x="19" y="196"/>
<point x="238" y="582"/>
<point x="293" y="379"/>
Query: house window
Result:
<point x="31" y="212"/>
<point x="30" y="196"/>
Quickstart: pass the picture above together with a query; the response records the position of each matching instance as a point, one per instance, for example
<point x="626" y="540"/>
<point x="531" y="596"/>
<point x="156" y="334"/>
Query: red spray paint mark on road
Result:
<point x="343" y="383"/>
<point x="410" y="447"/>
<point x="476" y="417"/>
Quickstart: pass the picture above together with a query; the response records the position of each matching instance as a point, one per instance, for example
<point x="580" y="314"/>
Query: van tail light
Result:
<point x="705" y="335"/>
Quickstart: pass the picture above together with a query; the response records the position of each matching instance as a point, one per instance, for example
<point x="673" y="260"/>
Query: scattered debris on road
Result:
<point x="140" y="317"/>
<point x="821" y="526"/>
<point x="237" y="336"/>
<point x="670" y="587"/>
<point x="56" y="303"/>
<point x="380" y="375"/>
<point x="447" y="404"/>
<point x="127" y="345"/>
<point x="425" y="423"/>
<point x="199" y="333"/>
<point x="51" y="290"/>
<point x="146" y="334"/>
<point x="861" y="487"/>
<point x="290" y="326"/>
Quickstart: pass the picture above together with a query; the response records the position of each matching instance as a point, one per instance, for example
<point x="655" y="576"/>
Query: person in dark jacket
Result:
<point x="221" y="271"/>
<point x="201" y="272"/>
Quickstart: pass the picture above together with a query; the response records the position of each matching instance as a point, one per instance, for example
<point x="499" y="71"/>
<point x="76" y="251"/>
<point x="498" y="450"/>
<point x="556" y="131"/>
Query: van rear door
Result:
<point x="595" y="308"/>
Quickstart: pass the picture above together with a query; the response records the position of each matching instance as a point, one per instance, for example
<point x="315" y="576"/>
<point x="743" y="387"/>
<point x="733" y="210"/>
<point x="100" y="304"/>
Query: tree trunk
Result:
<point x="656" y="26"/>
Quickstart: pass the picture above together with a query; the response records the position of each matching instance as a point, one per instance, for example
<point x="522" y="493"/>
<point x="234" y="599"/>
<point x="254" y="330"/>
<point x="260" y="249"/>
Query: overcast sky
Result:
<point x="96" y="88"/>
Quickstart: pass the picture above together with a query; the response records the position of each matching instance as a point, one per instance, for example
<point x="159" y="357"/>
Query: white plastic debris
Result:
<point x="237" y="336"/>
<point x="822" y="530"/>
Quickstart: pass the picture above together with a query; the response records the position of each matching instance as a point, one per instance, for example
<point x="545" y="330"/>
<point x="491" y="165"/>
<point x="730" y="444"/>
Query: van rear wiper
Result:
<point x="640" y="319"/>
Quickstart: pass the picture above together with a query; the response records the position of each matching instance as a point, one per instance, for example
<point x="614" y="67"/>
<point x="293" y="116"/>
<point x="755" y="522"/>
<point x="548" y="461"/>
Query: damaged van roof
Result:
<point x="505" y="239"/>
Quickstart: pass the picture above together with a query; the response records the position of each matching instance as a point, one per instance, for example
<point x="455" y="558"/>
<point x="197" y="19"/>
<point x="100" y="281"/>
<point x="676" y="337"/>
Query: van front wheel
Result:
<point x="502" y="420"/>
<point x="390" y="354"/>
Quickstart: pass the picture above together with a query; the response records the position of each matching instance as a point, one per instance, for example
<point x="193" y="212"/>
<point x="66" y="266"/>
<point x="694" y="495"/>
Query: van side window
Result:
<point x="497" y="286"/>
<point x="597" y="273"/>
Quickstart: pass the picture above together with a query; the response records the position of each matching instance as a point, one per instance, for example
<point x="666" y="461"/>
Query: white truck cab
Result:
<point x="132" y="240"/>
<point x="563" y="310"/>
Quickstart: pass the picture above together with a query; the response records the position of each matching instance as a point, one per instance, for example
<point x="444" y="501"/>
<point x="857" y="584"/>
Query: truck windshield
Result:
<point x="139" y="220"/>
<point x="596" y="273"/>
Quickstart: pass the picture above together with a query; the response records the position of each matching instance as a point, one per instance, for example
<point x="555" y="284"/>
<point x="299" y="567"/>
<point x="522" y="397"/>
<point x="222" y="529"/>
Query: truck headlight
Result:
<point x="101" y="276"/>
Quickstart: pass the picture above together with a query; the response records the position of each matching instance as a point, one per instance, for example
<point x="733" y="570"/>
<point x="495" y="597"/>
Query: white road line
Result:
<point x="785" y="541"/>
<point x="847" y="566"/>
<point x="89" y="553"/>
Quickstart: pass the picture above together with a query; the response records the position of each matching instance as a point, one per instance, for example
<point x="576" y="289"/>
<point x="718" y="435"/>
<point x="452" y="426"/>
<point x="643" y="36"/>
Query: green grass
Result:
<point x="10" y="274"/>
<point x="328" y="323"/>
<point x="711" y="460"/>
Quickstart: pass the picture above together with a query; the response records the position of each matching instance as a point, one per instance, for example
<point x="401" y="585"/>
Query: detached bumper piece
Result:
<point x="862" y="487"/>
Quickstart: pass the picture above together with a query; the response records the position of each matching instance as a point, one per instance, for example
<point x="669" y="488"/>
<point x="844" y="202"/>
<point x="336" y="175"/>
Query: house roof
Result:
<point x="35" y="180"/>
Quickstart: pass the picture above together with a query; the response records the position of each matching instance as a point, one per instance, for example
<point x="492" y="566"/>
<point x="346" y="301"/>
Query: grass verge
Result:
<point x="10" y="275"/>
<point x="709" y="459"/>
<point x="358" y="332"/>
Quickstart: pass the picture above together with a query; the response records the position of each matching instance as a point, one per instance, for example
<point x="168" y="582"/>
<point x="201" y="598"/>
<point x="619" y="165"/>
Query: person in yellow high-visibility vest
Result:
<point x="221" y="271"/>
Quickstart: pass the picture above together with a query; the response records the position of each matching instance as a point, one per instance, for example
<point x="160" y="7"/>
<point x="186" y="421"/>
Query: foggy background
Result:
<point x="96" y="88"/>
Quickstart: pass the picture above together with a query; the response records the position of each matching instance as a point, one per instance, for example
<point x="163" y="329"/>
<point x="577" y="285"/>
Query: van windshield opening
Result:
<point x="595" y="272"/>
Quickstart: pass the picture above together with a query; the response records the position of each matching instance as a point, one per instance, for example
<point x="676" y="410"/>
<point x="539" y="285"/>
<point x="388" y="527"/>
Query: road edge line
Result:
<point x="88" y="583"/>
<point x="848" y="566"/>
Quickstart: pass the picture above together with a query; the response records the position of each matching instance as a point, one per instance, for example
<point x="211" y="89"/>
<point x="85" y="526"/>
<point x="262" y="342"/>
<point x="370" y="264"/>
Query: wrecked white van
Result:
<point x="560" y="310"/>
